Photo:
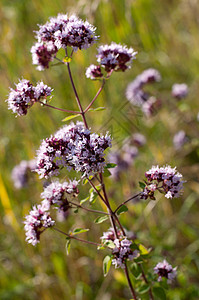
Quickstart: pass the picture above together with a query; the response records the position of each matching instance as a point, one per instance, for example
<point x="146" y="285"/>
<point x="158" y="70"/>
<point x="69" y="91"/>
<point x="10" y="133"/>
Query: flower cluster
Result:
<point x="122" y="252"/>
<point x="74" y="147"/>
<point x="137" y="96"/>
<point x="20" y="173"/>
<point x="36" y="222"/>
<point x="164" y="269"/>
<point x="165" y="180"/>
<point x="25" y="95"/>
<point x="179" y="139"/>
<point x="179" y="90"/>
<point x="113" y="57"/>
<point x="57" y="193"/>
<point x="110" y="235"/>
<point x="61" y="32"/>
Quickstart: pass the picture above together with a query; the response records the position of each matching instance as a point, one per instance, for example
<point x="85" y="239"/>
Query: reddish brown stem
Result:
<point x="61" y="109"/>
<point x="99" y="91"/>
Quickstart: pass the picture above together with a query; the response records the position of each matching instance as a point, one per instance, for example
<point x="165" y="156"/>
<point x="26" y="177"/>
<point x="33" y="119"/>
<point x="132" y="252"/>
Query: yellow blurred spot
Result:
<point x="7" y="205"/>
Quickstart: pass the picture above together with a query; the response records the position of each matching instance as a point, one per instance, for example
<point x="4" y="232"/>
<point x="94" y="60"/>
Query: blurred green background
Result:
<point x="165" y="34"/>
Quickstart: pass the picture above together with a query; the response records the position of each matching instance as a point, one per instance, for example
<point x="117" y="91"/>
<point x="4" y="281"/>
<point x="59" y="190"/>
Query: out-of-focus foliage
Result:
<point x="165" y="34"/>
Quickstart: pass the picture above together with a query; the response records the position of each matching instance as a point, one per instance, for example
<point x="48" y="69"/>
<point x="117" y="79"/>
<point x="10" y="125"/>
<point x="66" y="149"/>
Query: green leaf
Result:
<point x="122" y="209"/>
<point x="79" y="230"/>
<point x="110" y="244"/>
<point x="143" y="250"/>
<point x="110" y="166"/>
<point x="142" y="184"/>
<point x="100" y="220"/>
<point x="143" y="288"/>
<point x="85" y="180"/>
<point x="106" y="173"/>
<point x="93" y="194"/>
<point x="68" y="244"/>
<point x="70" y="117"/>
<point x="160" y="293"/>
<point x="84" y="200"/>
<point x="136" y="270"/>
<point x="106" y="264"/>
<point x="97" y="109"/>
<point x="76" y="210"/>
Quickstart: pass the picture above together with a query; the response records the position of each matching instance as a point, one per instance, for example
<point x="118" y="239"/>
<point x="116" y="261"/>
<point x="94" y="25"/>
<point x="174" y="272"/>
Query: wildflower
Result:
<point x="122" y="252"/>
<point x="36" y="222"/>
<point x="115" y="57"/>
<point x="179" y="139"/>
<point x="25" y="95"/>
<point x="179" y="91"/>
<point x="74" y="147"/>
<point x="67" y="31"/>
<point x="20" y="173"/>
<point x="165" y="180"/>
<point x="139" y="139"/>
<point x="110" y="235"/>
<point x="57" y="193"/>
<point x="43" y="54"/>
<point x="164" y="269"/>
<point x="93" y="72"/>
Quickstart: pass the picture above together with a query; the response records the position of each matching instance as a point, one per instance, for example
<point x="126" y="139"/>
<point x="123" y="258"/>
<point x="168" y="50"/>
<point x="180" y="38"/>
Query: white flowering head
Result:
<point x="25" y="95"/>
<point x="94" y="72"/>
<point x="164" y="269"/>
<point x="123" y="252"/>
<point x="21" y="172"/>
<point x="115" y="57"/>
<point x="179" y="139"/>
<point x="43" y="54"/>
<point x="58" y="194"/>
<point x="164" y="179"/>
<point x="74" y="147"/>
<point x="179" y="90"/>
<point x="36" y="222"/>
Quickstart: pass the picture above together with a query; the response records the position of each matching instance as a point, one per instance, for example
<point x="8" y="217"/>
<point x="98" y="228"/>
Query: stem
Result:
<point x="61" y="109"/>
<point x="76" y="95"/>
<point x="75" y="238"/>
<point x="126" y="202"/>
<point x="88" y="209"/>
<point x="146" y="281"/>
<point x="129" y="282"/>
<point x="99" y="91"/>
<point x="97" y="191"/>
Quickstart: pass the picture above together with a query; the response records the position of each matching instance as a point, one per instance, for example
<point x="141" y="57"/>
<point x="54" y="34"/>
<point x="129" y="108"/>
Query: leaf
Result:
<point x="100" y="220"/>
<point x="142" y="184"/>
<point x="68" y="244"/>
<point x="160" y="293"/>
<point x="143" y="289"/>
<point x="84" y="200"/>
<point x="110" y="244"/>
<point x="122" y="210"/>
<point x="70" y="117"/>
<point x="97" y="109"/>
<point x="106" y="264"/>
<point x="79" y="230"/>
<point x="93" y="194"/>
<point x="85" y="180"/>
<point x="76" y="210"/>
<point x="106" y="173"/>
<point x="110" y="166"/>
<point x="136" y="270"/>
<point x="143" y="250"/>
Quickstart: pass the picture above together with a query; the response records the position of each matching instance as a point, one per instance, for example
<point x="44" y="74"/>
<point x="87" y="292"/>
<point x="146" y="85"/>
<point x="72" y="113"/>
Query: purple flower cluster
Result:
<point x="113" y="57"/>
<point x="165" y="180"/>
<point x="61" y="32"/>
<point x="74" y="147"/>
<point x="110" y="235"/>
<point x="122" y="252"/>
<point x="20" y="173"/>
<point x="25" y="95"/>
<point x="137" y="96"/>
<point x="164" y="269"/>
<point x="57" y="193"/>
<point x="36" y="222"/>
<point x="179" y="139"/>
<point x="179" y="90"/>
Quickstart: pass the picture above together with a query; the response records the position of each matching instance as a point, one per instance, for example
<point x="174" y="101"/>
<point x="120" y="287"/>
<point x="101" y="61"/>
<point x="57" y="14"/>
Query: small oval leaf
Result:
<point x="100" y="220"/>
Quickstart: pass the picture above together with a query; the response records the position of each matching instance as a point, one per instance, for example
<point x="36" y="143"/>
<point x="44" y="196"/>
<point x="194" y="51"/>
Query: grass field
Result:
<point x="165" y="34"/>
